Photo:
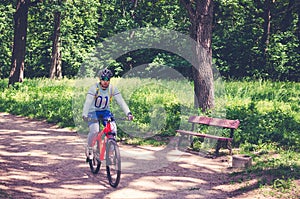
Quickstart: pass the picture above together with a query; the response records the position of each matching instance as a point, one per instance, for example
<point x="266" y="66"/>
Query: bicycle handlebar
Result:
<point x="88" y="119"/>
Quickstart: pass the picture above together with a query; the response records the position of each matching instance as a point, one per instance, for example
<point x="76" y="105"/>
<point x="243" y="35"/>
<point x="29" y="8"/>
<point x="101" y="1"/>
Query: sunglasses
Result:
<point x="105" y="78"/>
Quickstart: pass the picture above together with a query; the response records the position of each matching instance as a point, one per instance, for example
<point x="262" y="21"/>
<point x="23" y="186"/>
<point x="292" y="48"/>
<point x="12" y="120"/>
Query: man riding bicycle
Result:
<point x="97" y="107"/>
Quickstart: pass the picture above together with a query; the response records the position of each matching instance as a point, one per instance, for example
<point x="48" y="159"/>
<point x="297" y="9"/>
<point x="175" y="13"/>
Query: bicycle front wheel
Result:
<point x="113" y="163"/>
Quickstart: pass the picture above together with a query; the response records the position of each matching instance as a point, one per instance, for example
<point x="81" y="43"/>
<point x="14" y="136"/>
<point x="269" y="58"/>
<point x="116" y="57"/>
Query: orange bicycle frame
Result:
<point x="102" y="142"/>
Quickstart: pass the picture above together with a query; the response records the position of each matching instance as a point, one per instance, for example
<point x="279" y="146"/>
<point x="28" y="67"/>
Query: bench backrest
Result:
<point x="225" y="123"/>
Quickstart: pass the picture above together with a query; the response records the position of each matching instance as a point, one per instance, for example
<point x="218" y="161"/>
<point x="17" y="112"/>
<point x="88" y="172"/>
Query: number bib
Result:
<point x="103" y="98"/>
<point x="102" y="102"/>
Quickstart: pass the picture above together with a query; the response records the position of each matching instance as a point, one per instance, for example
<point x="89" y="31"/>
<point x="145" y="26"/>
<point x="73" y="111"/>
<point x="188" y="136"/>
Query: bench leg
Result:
<point x="191" y="139"/>
<point x="218" y="147"/>
<point x="229" y="147"/>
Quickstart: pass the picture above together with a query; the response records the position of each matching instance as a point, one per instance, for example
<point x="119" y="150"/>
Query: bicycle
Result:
<point x="106" y="149"/>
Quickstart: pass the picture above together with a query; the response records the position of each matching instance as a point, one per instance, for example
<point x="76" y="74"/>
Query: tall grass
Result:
<point x="283" y="95"/>
<point x="268" y="111"/>
<point x="39" y="98"/>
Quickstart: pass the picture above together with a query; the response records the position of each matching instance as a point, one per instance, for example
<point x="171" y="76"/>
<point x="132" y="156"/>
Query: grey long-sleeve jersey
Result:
<point x="98" y="99"/>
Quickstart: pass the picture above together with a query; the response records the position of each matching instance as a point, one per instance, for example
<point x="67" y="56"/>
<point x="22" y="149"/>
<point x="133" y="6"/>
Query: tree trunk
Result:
<point x="298" y="22"/>
<point x="287" y="20"/>
<point x="55" y="69"/>
<point x="266" y="26"/>
<point x="18" y="54"/>
<point x="201" y="17"/>
<point x="19" y="46"/>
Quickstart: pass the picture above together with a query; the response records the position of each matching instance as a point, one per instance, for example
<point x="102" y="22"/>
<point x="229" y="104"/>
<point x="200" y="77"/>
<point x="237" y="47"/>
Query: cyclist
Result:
<point x="97" y="107"/>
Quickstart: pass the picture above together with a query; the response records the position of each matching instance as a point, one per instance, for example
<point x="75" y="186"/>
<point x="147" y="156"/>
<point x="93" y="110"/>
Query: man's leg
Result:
<point x="93" y="131"/>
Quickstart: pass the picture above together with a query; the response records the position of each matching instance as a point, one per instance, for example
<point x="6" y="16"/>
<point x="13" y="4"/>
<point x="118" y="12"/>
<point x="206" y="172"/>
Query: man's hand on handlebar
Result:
<point x="85" y="118"/>
<point x="129" y="116"/>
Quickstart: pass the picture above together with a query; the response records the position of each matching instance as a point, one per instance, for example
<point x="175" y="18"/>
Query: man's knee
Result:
<point x="113" y="127"/>
<point x="94" y="128"/>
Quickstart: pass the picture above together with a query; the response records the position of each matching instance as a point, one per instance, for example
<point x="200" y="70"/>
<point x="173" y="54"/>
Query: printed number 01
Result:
<point x="99" y="100"/>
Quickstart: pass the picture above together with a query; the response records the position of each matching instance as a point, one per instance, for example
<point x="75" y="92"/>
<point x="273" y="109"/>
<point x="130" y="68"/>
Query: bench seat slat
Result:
<point x="232" y="124"/>
<point x="204" y="135"/>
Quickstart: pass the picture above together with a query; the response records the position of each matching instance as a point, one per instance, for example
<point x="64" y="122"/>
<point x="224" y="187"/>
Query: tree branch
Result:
<point x="34" y="3"/>
<point x="188" y="6"/>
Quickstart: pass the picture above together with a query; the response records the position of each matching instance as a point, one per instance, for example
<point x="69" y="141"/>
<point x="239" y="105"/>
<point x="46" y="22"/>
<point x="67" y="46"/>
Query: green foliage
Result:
<point x="268" y="111"/>
<point x="238" y="40"/>
<point x="78" y="36"/>
<point x="234" y="36"/>
<point x="161" y="105"/>
<point x="283" y="57"/>
<point x="272" y="168"/>
<point x="286" y="162"/>
<point x="238" y="47"/>
<point x="38" y="41"/>
<point x="6" y="37"/>
<point x="157" y="105"/>
<point x="39" y="98"/>
<point x="146" y="141"/>
<point x="79" y="31"/>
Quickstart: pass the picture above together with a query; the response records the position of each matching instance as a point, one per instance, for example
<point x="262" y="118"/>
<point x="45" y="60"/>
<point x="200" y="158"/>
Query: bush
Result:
<point x="41" y="99"/>
<point x="268" y="112"/>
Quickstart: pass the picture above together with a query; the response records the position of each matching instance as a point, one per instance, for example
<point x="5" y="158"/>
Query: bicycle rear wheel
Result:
<point x="113" y="163"/>
<point x="95" y="163"/>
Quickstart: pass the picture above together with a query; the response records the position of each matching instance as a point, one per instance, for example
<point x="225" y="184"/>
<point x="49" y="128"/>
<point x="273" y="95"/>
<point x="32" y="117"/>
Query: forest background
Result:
<point x="254" y="39"/>
<point x="255" y="48"/>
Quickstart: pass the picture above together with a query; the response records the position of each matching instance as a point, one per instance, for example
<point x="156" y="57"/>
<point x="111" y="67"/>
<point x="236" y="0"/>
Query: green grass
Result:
<point x="268" y="111"/>
<point x="274" y="169"/>
<point x="41" y="99"/>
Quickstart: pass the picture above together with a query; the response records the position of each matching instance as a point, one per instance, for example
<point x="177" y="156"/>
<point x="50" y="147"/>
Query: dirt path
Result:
<point x="39" y="160"/>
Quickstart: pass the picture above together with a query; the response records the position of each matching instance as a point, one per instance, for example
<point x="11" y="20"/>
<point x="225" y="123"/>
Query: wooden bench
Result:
<point x="222" y="123"/>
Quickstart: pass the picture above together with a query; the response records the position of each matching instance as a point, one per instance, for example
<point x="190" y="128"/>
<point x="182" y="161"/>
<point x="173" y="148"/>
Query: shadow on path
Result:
<point x="39" y="160"/>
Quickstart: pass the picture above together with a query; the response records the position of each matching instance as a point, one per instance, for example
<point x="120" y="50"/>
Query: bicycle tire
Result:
<point x="113" y="163"/>
<point x="95" y="164"/>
